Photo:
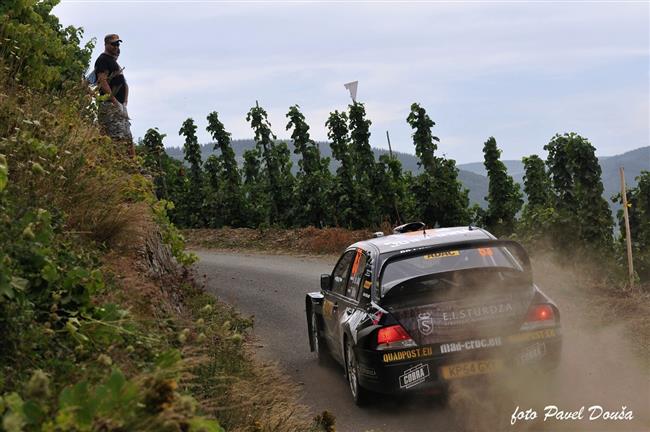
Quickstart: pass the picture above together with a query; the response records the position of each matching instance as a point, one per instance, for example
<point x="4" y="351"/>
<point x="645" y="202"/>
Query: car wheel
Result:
<point x="317" y="341"/>
<point x="359" y="394"/>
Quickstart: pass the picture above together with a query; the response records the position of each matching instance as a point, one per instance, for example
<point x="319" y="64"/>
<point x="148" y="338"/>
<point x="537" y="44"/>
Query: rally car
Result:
<point x="415" y="310"/>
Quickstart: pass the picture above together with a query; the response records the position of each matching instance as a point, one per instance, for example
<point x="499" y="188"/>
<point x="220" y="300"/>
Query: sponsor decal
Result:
<point x="475" y="313"/>
<point x="411" y="354"/>
<point x="425" y="323"/>
<point x="367" y="284"/>
<point x="532" y="336"/>
<point x="414" y="376"/>
<point x="470" y="345"/>
<point x="367" y="371"/>
<point x="532" y="353"/>
<point x="366" y="295"/>
<point x="441" y="255"/>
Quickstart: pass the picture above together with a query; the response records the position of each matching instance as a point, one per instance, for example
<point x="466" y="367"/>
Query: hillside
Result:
<point x="472" y="175"/>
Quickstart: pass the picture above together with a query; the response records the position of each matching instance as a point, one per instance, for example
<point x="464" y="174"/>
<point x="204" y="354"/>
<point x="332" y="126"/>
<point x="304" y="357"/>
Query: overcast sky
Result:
<point x="520" y="72"/>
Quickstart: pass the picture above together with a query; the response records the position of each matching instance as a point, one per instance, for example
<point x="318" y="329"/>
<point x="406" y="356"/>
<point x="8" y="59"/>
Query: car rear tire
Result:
<point x="359" y="394"/>
<point x="317" y="341"/>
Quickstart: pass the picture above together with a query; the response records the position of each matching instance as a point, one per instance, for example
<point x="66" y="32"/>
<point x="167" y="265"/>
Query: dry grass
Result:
<point x="219" y="366"/>
<point x="63" y="162"/>
<point x="309" y="240"/>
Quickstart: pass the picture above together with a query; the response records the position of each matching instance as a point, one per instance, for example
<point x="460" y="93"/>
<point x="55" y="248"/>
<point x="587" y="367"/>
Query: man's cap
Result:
<point x="109" y="38"/>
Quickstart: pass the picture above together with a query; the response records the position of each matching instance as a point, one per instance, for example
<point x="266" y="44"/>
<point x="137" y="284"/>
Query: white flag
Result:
<point x="352" y="87"/>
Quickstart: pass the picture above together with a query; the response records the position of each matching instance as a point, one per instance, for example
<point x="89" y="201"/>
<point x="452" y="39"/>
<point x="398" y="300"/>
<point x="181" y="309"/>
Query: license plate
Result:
<point x="479" y="367"/>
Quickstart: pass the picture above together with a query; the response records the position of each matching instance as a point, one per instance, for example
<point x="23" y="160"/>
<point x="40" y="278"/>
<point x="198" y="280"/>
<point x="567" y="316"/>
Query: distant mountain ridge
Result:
<point x="472" y="175"/>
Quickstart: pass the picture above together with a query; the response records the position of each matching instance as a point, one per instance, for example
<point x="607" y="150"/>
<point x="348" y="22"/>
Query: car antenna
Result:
<point x="424" y="230"/>
<point x="471" y="227"/>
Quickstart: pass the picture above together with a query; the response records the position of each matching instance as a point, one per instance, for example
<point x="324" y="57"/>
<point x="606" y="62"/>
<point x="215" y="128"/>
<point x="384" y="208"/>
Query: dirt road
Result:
<point x="597" y="369"/>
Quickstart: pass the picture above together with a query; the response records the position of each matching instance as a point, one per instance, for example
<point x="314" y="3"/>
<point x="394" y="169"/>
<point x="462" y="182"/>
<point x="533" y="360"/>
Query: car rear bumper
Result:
<point x="428" y="369"/>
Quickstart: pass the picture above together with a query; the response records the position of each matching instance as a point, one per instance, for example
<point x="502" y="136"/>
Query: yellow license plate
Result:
<point x="462" y="370"/>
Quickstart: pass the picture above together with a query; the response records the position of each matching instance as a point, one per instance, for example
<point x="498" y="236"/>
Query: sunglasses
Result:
<point x="116" y="43"/>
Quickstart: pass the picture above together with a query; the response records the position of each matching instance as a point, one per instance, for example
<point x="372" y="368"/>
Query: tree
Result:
<point x="313" y="177"/>
<point x="256" y="203"/>
<point x="440" y="199"/>
<point x="504" y="195"/>
<point x="43" y="53"/>
<point x="344" y="191"/>
<point x="423" y="138"/>
<point x="229" y="191"/>
<point x="392" y="189"/>
<point x="280" y="200"/>
<point x="154" y="151"/>
<point x="363" y="159"/>
<point x="583" y="213"/>
<point x="538" y="218"/>
<point x="536" y="181"/>
<point x="195" y="196"/>
<point x="213" y="201"/>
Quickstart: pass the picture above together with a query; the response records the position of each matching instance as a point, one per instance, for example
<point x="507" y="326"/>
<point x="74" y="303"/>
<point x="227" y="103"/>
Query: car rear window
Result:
<point x="447" y="266"/>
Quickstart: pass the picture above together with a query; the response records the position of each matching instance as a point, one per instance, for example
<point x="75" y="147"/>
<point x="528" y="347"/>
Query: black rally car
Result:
<point x="415" y="310"/>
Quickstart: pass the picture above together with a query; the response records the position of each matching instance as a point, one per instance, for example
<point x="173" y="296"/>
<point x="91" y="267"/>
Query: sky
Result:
<point x="518" y="71"/>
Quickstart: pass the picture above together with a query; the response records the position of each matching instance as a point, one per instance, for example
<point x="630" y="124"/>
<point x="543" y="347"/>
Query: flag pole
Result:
<point x="628" y="236"/>
<point x="390" y="150"/>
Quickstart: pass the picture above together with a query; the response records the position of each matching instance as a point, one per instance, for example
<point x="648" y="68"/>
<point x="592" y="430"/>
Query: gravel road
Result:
<point x="597" y="369"/>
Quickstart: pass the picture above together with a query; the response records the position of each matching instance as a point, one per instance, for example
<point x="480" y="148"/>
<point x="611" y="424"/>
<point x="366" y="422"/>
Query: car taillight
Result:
<point x="394" y="337"/>
<point x="538" y="316"/>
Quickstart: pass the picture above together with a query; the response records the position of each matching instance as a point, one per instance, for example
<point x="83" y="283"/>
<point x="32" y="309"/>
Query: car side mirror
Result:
<point x="325" y="282"/>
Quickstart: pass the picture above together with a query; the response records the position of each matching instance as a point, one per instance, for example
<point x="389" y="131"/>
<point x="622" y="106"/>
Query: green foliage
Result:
<point x="153" y="160"/>
<point x="36" y="49"/>
<point x="344" y="191"/>
<point x="448" y="206"/>
<point x="254" y="189"/>
<point x="364" y="167"/>
<point x="504" y="196"/>
<point x="227" y="193"/>
<point x="423" y="138"/>
<point x="392" y="189"/>
<point x="194" y="199"/>
<point x="115" y="404"/>
<point x="638" y="199"/>
<point x="576" y="178"/>
<point x="538" y="216"/>
<point x="313" y="179"/>
<point x="276" y="167"/>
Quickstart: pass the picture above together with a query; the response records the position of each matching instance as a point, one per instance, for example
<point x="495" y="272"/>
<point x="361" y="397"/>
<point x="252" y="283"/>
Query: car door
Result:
<point x="333" y="299"/>
<point x="346" y="299"/>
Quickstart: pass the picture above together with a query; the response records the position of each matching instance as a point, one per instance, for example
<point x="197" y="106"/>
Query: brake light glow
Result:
<point x="394" y="336"/>
<point x="538" y="316"/>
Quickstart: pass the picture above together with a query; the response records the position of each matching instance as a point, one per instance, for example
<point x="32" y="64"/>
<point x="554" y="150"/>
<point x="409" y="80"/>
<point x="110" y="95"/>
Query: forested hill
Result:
<point x="472" y="175"/>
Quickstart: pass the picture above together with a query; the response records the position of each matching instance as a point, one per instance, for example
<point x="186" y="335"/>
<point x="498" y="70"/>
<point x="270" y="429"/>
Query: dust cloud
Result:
<point x="599" y="370"/>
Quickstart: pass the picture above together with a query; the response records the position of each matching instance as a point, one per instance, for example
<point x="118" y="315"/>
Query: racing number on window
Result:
<point x="485" y="251"/>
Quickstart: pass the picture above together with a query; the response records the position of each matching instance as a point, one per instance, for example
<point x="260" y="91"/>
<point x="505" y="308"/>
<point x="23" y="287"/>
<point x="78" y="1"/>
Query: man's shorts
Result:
<point x="114" y="121"/>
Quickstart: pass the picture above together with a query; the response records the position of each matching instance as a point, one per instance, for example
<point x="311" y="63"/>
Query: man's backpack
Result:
<point x="91" y="78"/>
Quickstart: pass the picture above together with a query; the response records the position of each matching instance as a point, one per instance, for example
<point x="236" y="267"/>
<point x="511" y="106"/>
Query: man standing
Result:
<point x="113" y="117"/>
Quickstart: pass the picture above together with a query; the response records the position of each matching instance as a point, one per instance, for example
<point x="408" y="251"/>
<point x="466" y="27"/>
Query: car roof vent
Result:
<point x="408" y="227"/>
<point x="378" y="234"/>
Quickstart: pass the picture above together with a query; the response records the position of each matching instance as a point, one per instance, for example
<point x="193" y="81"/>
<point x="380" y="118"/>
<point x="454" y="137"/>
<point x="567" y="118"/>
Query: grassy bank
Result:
<point x="103" y="329"/>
